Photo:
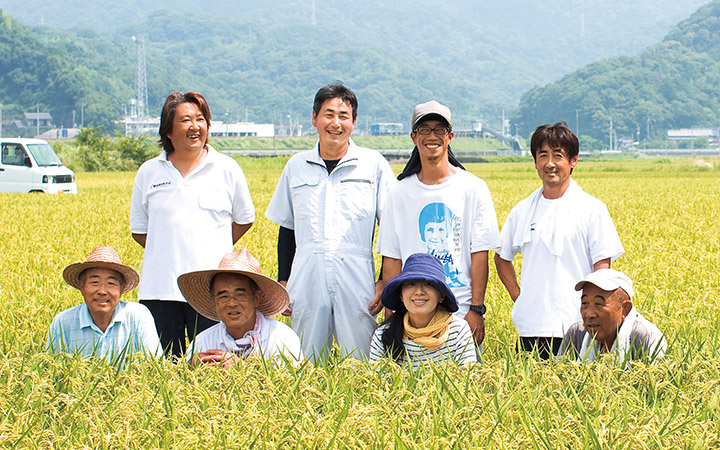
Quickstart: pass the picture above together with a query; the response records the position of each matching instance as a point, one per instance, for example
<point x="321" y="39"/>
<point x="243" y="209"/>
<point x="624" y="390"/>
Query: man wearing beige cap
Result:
<point x="610" y="323"/>
<point x="103" y="325"/>
<point x="242" y="299"/>
<point x="440" y="209"/>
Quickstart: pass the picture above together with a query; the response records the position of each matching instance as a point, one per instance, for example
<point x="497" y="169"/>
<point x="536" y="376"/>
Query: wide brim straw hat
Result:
<point x="102" y="257"/>
<point x="272" y="298"/>
<point x="419" y="267"/>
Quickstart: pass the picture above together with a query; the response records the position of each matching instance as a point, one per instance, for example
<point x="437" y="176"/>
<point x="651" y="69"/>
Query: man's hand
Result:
<point x="477" y="326"/>
<point x="376" y="303"/>
<point x="227" y="359"/>
<point x="288" y="311"/>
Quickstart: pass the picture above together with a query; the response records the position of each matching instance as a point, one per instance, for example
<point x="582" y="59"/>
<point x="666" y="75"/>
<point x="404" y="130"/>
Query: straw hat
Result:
<point x="419" y="267"/>
<point x="103" y="258"/>
<point x="272" y="298"/>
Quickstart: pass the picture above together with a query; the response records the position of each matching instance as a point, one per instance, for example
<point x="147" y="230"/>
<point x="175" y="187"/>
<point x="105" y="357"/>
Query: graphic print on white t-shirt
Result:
<point x="441" y="231"/>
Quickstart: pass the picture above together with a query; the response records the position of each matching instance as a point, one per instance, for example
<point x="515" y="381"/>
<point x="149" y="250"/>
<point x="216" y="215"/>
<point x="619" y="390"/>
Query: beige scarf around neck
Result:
<point x="434" y="335"/>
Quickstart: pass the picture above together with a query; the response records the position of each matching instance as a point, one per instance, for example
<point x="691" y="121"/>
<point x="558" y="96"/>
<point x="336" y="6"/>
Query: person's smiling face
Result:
<point x="334" y="123"/>
<point x="421" y="299"/>
<point x="101" y="290"/>
<point x="190" y="128"/>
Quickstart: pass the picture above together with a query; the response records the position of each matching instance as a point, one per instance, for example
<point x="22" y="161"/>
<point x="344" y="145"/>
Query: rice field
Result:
<point x="665" y="211"/>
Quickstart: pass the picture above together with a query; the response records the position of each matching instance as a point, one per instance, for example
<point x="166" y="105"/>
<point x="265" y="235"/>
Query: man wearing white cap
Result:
<point x="440" y="209"/>
<point x="610" y="323"/>
<point x="103" y="325"/>
<point x="242" y="299"/>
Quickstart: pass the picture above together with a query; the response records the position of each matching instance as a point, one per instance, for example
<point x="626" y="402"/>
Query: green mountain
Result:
<point x="673" y="84"/>
<point x="265" y="60"/>
<point x="34" y="75"/>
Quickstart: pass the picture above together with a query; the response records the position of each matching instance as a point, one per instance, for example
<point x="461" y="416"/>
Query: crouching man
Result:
<point x="610" y="323"/>
<point x="103" y="325"/>
<point x="242" y="300"/>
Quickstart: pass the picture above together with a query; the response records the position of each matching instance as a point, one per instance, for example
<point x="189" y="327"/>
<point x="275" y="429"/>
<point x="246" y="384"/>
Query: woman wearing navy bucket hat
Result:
<point x="422" y="328"/>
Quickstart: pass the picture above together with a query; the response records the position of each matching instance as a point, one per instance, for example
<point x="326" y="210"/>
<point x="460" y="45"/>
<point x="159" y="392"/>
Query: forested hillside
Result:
<point x="673" y="84"/>
<point x="33" y="73"/>
<point x="266" y="60"/>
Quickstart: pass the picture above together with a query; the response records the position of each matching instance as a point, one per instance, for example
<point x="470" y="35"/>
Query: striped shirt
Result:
<point x="459" y="346"/>
<point x="131" y="330"/>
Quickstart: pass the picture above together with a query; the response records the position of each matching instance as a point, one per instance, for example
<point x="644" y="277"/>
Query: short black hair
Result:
<point x="556" y="136"/>
<point x="335" y="90"/>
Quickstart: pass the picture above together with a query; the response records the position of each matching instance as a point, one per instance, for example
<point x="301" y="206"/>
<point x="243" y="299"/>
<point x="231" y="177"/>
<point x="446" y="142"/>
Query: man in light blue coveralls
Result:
<point x="327" y="202"/>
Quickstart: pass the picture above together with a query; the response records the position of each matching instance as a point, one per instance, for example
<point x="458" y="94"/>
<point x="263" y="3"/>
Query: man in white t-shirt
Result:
<point x="563" y="234"/>
<point x="440" y="209"/>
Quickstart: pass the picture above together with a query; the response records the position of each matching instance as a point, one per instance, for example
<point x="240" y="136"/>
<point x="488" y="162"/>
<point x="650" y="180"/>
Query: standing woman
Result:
<point x="422" y="327"/>
<point x="189" y="206"/>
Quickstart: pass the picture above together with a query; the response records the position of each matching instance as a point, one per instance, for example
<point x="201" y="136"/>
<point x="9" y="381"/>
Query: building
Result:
<point x="386" y="128"/>
<point x="690" y="134"/>
<point x="32" y="119"/>
<point x="241" y="129"/>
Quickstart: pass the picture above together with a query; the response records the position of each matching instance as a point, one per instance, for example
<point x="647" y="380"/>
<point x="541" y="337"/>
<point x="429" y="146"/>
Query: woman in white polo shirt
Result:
<point x="189" y="206"/>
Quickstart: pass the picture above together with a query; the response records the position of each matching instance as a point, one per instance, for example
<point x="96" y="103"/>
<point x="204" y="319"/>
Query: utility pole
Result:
<point x="577" y="123"/>
<point x="611" y="132"/>
<point x="37" y="119"/>
<point x="0" y="120"/>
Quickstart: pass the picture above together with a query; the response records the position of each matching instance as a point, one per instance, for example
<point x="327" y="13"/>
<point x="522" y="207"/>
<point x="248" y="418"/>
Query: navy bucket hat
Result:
<point x="419" y="267"/>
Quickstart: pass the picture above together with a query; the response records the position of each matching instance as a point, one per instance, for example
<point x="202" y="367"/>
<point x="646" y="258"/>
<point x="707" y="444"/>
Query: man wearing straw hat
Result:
<point x="103" y="325"/>
<point x="242" y="299"/>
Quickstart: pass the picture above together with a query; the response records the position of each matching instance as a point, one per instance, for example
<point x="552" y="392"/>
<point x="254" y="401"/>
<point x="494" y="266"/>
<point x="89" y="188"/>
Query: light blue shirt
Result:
<point x="131" y="330"/>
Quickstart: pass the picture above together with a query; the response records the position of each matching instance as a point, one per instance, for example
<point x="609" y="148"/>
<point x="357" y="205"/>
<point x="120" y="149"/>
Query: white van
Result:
<point x="31" y="165"/>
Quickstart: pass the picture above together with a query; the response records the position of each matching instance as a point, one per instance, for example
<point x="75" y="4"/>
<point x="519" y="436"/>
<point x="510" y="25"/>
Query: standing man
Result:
<point x="189" y="206"/>
<point x="326" y="203"/>
<point x="563" y="234"/>
<point x="440" y="209"/>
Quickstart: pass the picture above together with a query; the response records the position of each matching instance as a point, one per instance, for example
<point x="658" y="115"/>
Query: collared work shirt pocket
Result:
<point x="357" y="197"/>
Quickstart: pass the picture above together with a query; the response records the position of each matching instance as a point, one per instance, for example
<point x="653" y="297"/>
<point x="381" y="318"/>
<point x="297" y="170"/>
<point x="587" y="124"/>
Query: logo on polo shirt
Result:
<point x="159" y="185"/>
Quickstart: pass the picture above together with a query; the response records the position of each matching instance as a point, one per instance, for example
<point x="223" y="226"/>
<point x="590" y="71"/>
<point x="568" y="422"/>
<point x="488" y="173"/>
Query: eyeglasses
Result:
<point x="439" y="131"/>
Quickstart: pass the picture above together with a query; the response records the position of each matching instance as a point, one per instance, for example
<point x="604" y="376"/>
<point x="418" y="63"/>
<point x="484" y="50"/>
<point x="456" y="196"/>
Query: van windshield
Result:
<point x="44" y="155"/>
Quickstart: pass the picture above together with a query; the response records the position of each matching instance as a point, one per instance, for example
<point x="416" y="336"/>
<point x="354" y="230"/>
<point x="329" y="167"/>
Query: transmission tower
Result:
<point x="141" y="92"/>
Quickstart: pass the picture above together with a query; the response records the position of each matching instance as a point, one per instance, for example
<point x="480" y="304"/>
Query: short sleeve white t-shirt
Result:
<point x="451" y="221"/>
<point x="548" y="303"/>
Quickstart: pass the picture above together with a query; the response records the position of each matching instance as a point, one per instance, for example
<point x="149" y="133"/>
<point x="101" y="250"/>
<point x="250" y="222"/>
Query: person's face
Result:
<point x="603" y="312"/>
<point x="435" y="234"/>
<point x="101" y="290"/>
<point x="553" y="166"/>
<point x="235" y="302"/>
<point x="431" y="146"/>
<point x="334" y="123"/>
<point x="189" y="129"/>
<point x="421" y="299"/>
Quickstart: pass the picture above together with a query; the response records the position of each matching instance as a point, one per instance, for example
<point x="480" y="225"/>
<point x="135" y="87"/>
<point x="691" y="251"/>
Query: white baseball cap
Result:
<point x="608" y="280"/>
